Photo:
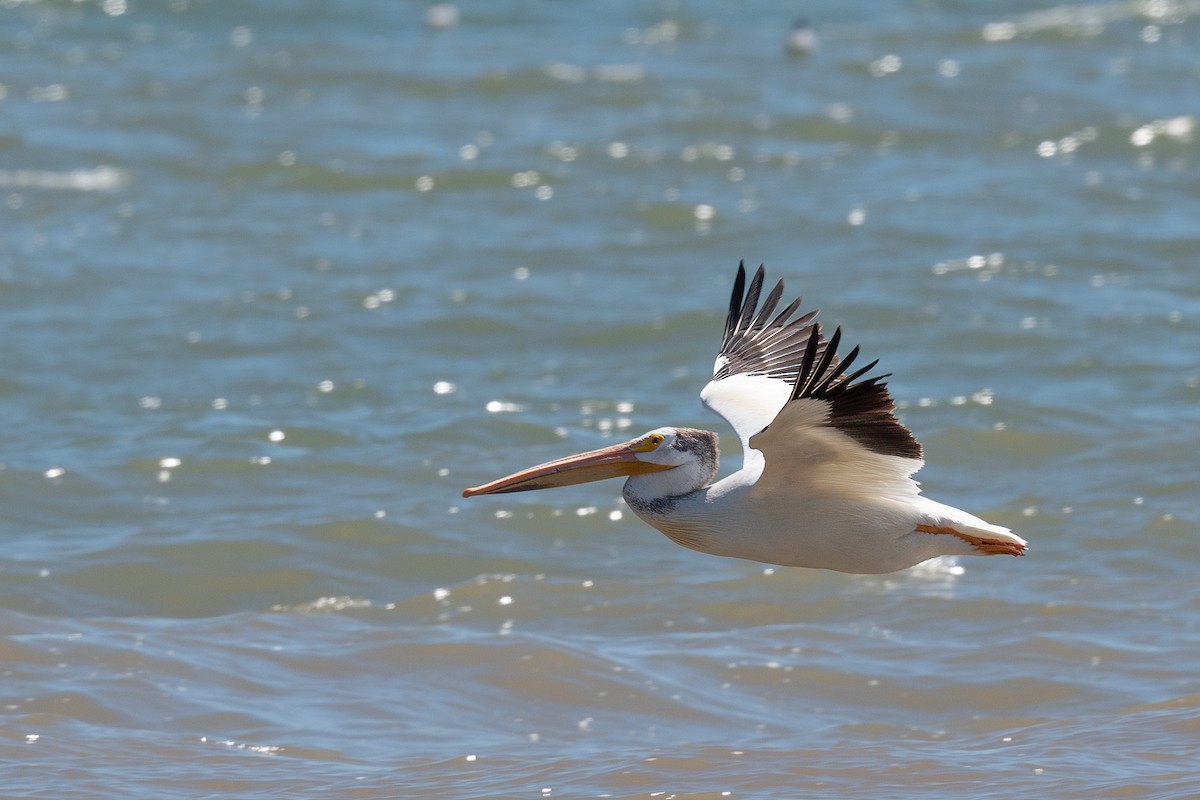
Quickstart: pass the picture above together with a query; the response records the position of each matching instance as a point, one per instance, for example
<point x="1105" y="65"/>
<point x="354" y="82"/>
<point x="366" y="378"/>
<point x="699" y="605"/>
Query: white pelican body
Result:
<point x="826" y="479"/>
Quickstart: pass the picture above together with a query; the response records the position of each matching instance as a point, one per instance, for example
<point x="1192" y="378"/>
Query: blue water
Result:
<point x="279" y="280"/>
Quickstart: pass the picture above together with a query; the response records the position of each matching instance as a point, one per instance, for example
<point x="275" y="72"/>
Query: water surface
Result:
<point x="280" y="279"/>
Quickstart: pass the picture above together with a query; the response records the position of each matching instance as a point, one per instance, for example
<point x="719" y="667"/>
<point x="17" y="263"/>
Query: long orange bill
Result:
<point x="607" y="462"/>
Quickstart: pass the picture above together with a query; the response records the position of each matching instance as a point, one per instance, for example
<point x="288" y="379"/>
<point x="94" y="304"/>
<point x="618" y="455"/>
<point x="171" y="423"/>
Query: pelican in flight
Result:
<point x="826" y="477"/>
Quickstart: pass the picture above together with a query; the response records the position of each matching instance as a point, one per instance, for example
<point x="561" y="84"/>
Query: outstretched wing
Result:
<point x="796" y="404"/>
<point x="839" y="430"/>
<point x="759" y="358"/>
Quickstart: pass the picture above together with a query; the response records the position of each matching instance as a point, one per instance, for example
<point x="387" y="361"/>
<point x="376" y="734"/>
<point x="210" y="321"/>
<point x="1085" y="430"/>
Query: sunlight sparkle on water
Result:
<point x="618" y="150"/>
<point x="527" y="178"/>
<point x="1179" y="129"/>
<point x="886" y="65"/>
<point x="100" y="178"/>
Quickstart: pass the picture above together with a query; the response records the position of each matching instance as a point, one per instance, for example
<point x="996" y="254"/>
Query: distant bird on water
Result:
<point x="441" y="15"/>
<point x="801" y="39"/>
<point x="826" y="474"/>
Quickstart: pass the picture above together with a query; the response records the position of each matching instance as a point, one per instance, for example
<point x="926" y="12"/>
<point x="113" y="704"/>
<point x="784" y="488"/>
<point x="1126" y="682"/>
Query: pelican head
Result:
<point x="662" y="463"/>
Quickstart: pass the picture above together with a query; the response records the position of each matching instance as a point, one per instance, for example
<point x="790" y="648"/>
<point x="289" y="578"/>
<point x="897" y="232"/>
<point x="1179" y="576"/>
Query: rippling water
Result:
<point x="280" y="279"/>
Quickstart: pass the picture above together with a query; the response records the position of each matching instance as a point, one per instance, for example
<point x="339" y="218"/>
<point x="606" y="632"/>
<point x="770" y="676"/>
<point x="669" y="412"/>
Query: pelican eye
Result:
<point x="655" y="439"/>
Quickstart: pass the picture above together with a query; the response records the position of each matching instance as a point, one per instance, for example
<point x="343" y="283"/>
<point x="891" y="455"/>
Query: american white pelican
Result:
<point x="826" y="468"/>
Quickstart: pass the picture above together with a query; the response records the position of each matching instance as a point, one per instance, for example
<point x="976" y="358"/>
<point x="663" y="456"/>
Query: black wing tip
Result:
<point x="753" y="292"/>
<point x="860" y="407"/>
<point x="754" y="342"/>
<point x="865" y="413"/>
<point x="735" y="300"/>
<point x="739" y="297"/>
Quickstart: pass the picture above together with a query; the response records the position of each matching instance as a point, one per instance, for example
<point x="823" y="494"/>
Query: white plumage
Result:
<point x="826" y="479"/>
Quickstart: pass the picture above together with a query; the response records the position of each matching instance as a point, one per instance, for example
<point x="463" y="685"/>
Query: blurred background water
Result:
<point x="279" y="279"/>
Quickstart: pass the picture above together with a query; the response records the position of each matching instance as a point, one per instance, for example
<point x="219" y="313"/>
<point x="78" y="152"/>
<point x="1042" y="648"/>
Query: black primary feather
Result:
<point x="864" y="411"/>
<point x="751" y="344"/>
